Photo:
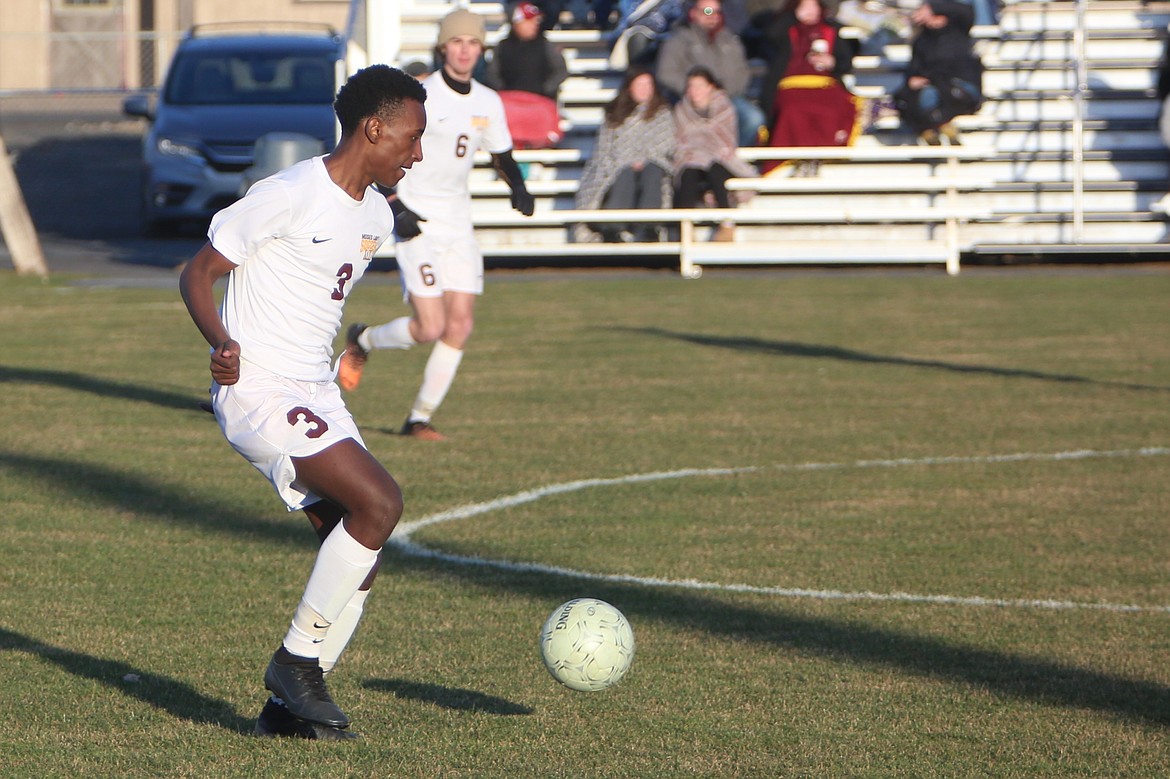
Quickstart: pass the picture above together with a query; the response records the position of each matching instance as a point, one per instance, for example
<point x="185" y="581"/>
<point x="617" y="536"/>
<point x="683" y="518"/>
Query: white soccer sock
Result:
<point x="437" y="379"/>
<point x="395" y="334"/>
<point x="342" y="630"/>
<point x="342" y="565"/>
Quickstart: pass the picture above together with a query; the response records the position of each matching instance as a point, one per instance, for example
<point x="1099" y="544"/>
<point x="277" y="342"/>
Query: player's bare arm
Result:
<point x="196" y="284"/>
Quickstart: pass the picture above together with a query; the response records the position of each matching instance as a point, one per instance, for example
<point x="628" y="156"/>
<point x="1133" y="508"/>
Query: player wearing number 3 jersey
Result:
<point x="440" y="261"/>
<point x="292" y="249"/>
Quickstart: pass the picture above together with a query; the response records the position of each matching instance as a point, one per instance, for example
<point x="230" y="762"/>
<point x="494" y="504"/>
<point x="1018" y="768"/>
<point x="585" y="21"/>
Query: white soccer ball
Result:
<point x="587" y="644"/>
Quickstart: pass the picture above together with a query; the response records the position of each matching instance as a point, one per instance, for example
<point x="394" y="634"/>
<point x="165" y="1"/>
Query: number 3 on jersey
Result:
<point x="344" y="274"/>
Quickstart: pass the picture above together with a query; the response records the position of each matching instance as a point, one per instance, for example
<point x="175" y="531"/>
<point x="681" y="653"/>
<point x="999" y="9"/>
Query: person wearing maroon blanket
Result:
<point x="803" y="94"/>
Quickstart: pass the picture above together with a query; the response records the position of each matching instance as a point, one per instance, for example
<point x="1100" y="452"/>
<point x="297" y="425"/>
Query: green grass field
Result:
<point x="865" y="550"/>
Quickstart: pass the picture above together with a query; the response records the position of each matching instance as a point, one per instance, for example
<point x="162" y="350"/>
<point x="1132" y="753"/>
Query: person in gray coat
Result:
<point x="706" y="42"/>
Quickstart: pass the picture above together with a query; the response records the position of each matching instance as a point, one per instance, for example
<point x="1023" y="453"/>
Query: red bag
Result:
<point x="533" y="120"/>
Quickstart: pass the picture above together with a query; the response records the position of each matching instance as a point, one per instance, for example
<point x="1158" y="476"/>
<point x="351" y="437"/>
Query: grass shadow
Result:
<point x="1004" y="673"/>
<point x="72" y="380"/>
<point x="818" y="351"/>
<point x="102" y="486"/>
<point x="448" y="697"/>
<point x="176" y="698"/>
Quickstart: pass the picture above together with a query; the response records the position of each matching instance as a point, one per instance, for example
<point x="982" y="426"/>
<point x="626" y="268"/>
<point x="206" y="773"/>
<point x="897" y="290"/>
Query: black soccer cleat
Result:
<point x="276" y="721"/>
<point x="421" y="430"/>
<point x="300" y="683"/>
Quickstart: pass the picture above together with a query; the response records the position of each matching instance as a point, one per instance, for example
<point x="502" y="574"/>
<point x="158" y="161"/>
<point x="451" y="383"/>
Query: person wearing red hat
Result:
<point x="440" y="262"/>
<point x="528" y="70"/>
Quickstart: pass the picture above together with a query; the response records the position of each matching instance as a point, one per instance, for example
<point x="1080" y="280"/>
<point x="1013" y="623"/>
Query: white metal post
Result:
<point x="383" y="31"/>
<point x="1078" y="135"/>
<point x="686" y="234"/>
<point x="952" y="223"/>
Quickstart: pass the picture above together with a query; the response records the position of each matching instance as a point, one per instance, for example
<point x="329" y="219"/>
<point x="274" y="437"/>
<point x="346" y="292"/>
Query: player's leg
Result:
<point x="416" y="260"/>
<point x="347" y="475"/>
<point x="442" y="365"/>
<point x="326" y="515"/>
<point x="424" y="325"/>
<point x="306" y="443"/>
<point x="275" y="719"/>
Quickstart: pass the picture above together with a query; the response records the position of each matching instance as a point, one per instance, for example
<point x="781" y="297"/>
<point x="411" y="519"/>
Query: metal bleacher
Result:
<point x="1064" y="157"/>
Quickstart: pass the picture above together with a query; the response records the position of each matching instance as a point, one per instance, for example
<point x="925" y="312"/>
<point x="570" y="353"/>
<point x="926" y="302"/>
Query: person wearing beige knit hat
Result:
<point x="462" y="22"/>
<point x="439" y="260"/>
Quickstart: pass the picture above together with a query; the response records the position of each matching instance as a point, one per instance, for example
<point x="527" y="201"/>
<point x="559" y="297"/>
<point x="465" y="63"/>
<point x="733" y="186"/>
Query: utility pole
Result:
<point x="15" y="224"/>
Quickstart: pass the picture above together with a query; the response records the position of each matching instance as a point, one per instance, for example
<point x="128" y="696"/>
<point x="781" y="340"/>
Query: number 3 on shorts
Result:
<point x="316" y="425"/>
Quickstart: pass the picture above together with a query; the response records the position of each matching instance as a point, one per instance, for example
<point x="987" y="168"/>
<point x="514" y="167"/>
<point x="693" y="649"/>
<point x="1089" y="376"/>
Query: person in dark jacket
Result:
<point x="528" y="70"/>
<point x="945" y="76"/>
<point x="526" y="60"/>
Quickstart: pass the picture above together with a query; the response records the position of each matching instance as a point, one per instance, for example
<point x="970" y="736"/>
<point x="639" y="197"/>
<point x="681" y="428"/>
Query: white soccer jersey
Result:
<point x="436" y="188"/>
<point x="298" y="238"/>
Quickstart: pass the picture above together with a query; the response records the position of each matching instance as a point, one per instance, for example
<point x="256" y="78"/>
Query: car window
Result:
<point x="250" y="79"/>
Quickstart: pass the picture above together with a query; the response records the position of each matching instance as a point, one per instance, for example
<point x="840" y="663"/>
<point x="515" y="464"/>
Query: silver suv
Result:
<point x="223" y="91"/>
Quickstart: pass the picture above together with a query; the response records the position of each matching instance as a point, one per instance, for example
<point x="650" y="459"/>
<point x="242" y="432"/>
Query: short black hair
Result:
<point x="378" y="90"/>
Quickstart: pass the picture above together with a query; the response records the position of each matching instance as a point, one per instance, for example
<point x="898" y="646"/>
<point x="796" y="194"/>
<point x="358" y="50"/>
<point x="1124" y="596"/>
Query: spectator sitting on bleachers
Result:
<point x="528" y="70"/>
<point x="641" y="27"/>
<point x="880" y="23"/>
<point x="704" y="41"/>
<point x="705" y="144"/>
<point x="944" y="78"/>
<point x="631" y="159"/>
<point x="803" y="95"/>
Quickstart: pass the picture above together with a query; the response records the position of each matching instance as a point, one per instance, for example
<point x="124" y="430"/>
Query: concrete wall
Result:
<point x="46" y="45"/>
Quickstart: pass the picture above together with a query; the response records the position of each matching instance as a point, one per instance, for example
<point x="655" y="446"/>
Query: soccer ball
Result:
<point x="587" y="644"/>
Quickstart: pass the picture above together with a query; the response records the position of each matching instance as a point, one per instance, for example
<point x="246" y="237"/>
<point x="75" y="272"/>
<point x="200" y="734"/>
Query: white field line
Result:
<point x="401" y="539"/>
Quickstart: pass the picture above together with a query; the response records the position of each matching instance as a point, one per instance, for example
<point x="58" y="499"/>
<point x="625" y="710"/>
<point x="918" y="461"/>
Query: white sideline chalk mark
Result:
<point x="401" y="539"/>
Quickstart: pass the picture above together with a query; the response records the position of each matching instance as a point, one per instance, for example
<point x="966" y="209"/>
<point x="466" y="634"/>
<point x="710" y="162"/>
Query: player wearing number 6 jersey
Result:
<point x="440" y="261"/>
<point x="292" y="249"/>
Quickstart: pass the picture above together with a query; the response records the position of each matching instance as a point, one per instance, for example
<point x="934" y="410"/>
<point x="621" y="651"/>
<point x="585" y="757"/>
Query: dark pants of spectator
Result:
<point x="937" y="103"/>
<point x="633" y="189"/>
<point x="693" y="183"/>
<point x="636" y="188"/>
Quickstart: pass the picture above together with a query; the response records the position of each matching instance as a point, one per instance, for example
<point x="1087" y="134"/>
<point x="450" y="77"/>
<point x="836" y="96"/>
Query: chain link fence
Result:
<point x="69" y="82"/>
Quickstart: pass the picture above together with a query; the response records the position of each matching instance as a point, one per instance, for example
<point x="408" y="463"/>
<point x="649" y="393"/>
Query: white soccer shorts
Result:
<point x="440" y="260"/>
<point x="270" y="420"/>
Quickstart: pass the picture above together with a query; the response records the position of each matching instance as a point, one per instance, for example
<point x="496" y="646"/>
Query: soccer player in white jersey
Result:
<point x="292" y="249"/>
<point x="440" y="261"/>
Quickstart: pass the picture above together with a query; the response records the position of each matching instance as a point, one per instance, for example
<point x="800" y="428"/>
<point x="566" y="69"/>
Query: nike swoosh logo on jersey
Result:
<point x="320" y="240"/>
<point x="322" y="627"/>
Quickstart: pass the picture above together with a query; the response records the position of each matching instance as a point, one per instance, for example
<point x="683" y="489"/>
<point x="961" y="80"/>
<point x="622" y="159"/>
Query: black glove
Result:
<point x="406" y="222"/>
<point x="523" y="201"/>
